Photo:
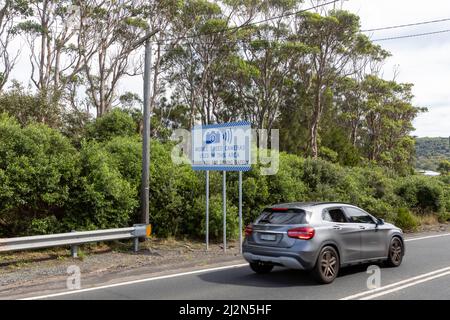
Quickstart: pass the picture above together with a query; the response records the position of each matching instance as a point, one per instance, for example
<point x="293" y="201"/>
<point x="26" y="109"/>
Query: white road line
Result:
<point x="439" y="272"/>
<point x="428" y="237"/>
<point x="405" y="286"/>
<point x="136" y="281"/>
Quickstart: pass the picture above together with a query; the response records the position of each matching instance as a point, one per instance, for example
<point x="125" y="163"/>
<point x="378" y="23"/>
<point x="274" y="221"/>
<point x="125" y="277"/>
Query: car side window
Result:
<point x="334" y="215"/>
<point x="358" y="216"/>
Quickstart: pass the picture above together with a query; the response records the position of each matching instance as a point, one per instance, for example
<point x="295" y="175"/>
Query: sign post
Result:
<point x="222" y="147"/>
<point x="207" y="210"/>
<point x="224" y="194"/>
<point x="240" y="211"/>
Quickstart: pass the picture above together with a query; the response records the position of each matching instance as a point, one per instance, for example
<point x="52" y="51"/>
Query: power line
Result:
<point x="406" y="25"/>
<point x="412" y="35"/>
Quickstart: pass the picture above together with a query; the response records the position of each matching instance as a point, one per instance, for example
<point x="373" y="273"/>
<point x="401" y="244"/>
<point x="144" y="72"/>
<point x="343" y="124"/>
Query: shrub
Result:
<point x="101" y="198"/>
<point x="173" y="190"/>
<point x="216" y="218"/>
<point x="406" y="220"/>
<point x="378" y="208"/>
<point x="319" y="172"/>
<point x="287" y="185"/>
<point x="424" y="194"/>
<point x="114" y="123"/>
<point x="37" y="168"/>
<point x="46" y="225"/>
<point x="444" y="217"/>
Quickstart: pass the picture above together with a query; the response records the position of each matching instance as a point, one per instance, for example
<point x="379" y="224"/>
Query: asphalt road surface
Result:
<point x="424" y="274"/>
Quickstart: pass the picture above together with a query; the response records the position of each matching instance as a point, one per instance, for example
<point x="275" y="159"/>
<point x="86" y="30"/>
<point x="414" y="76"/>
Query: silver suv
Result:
<point x="321" y="237"/>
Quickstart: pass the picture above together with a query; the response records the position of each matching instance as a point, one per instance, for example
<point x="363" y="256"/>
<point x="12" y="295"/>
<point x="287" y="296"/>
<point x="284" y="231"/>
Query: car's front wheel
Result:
<point x="327" y="265"/>
<point x="260" y="267"/>
<point x="395" y="256"/>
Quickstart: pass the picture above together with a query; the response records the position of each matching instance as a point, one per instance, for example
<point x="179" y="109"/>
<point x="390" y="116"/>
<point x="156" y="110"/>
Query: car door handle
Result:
<point x="362" y="227"/>
<point x="337" y="227"/>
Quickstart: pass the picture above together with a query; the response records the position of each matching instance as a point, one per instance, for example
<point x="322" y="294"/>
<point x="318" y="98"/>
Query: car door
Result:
<point x="347" y="235"/>
<point x="373" y="238"/>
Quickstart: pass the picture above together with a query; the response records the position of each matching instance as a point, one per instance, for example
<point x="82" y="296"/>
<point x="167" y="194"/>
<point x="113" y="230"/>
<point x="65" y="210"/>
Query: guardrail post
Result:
<point x="136" y="244"/>
<point x="74" y="251"/>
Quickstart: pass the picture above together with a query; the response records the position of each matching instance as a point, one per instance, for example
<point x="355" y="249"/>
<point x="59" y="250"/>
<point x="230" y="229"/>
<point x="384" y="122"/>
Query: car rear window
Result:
<point x="282" y="216"/>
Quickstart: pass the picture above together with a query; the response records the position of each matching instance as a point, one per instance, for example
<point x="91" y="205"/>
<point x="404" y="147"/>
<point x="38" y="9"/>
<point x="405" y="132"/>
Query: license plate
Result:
<point x="268" y="237"/>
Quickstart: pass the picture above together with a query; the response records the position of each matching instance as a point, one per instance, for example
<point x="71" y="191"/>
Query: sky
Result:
<point x="423" y="61"/>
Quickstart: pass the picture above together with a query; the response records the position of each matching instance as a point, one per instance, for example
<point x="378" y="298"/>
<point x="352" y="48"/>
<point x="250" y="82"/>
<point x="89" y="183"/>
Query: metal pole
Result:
<point x="224" y="191"/>
<point x="145" y="194"/>
<point x="74" y="251"/>
<point x="207" y="210"/>
<point x="240" y="211"/>
<point x="136" y="245"/>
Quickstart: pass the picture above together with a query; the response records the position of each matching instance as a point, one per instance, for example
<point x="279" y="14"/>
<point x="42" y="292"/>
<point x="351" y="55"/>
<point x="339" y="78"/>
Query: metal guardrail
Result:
<point x="76" y="238"/>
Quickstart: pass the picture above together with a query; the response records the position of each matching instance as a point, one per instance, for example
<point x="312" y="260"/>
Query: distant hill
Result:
<point x="430" y="151"/>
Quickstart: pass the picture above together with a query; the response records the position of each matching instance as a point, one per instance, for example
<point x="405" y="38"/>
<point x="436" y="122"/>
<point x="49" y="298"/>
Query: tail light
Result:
<point x="303" y="233"/>
<point x="248" y="230"/>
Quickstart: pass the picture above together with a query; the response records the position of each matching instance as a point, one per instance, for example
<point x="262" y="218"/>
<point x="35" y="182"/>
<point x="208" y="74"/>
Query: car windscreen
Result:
<point x="282" y="216"/>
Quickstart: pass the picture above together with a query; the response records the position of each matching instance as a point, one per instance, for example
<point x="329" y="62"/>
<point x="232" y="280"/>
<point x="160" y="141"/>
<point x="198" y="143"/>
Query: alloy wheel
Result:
<point x="396" y="251"/>
<point x="328" y="264"/>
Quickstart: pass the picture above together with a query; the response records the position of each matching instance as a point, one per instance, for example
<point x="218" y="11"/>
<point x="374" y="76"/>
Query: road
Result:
<point x="424" y="274"/>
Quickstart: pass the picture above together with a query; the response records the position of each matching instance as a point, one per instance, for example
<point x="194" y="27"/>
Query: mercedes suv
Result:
<point x="321" y="237"/>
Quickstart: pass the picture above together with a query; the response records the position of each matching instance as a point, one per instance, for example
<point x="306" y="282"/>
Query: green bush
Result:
<point x="173" y="190"/>
<point x="46" y="225"/>
<point x="406" y="220"/>
<point x="114" y="123"/>
<point x="424" y="194"/>
<point x="37" y="169"/>
<point x="101" y="197"/>
<point x="287" y="185"/>
<point x="216" y="218"/>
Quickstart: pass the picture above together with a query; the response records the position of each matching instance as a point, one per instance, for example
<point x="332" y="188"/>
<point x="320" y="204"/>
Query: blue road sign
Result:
<point x="222" y="147"/>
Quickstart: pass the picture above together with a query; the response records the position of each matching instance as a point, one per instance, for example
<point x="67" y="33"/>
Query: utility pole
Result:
<point x="145" y="194"/>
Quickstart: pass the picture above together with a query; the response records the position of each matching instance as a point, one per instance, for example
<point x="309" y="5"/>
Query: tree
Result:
<point x="337" y="43"/>
<point x="108" y="31"/>
<point x="51" y="33"/>
<point x="28" y="107"/>
<point x="444" y="167"/>
<point x="199" y="66"/>
<point x="268" y="65"/>
<point x="10" y="11"/>
<point x="388" y="122"/>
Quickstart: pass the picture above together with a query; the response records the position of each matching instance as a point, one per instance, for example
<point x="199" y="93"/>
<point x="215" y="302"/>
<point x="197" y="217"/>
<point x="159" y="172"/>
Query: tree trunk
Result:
<point x="314" y="129"/>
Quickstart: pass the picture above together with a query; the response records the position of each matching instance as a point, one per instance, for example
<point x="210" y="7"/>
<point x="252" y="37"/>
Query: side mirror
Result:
<point x="380" y="222"/>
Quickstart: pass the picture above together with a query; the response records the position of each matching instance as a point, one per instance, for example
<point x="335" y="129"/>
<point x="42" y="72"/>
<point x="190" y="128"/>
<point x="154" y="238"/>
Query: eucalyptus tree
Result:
<point x="197" y="63"/>
<point x="50" y="32"/>
<point x="11" y="11"/>
<point x="107" y="36"/>
<point x="388" y="122"/>
<point x="336" y="43"/>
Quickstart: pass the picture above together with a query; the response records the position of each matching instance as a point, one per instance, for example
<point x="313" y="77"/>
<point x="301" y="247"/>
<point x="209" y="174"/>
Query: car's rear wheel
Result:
<point x="261" y="267"/>
<point x="327" y="265"/>
<point x="395" y="256"/>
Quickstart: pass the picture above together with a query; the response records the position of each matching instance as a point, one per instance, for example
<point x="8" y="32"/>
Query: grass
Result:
<point x="428" y="220"/>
